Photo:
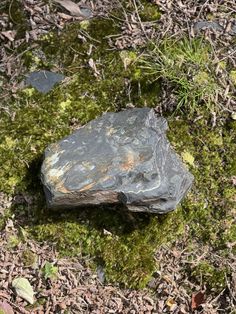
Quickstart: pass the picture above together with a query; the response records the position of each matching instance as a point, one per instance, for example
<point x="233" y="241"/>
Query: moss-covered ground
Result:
<point x="100" y="79"/>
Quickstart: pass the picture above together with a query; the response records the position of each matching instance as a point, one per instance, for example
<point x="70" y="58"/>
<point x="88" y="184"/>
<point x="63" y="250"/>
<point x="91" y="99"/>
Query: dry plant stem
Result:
<point x="139" y="19"/>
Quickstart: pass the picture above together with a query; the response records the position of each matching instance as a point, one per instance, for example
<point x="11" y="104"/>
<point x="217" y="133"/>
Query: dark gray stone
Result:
<point x="202" y="25"/>
<point x="215" y="26"/>
<point x="43" y="81"/>
<point x="86" y="12"/>
<point x="121" y="158"/>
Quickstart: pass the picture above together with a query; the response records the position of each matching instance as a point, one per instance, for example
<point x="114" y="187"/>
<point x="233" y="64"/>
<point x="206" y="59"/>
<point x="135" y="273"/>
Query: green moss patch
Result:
<point x="213" y="276"/>
<point x="149" y="11"/>
<point x="123" y="245"/>
<point x="211" y="201"/>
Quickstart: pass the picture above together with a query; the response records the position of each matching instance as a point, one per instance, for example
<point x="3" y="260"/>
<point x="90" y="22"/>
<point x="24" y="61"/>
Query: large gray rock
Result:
<point x="120" y="157"/>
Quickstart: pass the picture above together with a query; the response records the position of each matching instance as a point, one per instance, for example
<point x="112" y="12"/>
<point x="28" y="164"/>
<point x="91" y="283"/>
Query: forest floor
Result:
<point x="192" y="276"/>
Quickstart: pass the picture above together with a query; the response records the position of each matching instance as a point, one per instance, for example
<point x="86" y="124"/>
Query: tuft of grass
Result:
<point x="188" y="67"/>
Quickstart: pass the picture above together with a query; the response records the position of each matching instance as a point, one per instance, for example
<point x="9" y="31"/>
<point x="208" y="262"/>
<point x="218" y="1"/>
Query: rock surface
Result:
<point x="215" y="26"/>
<point x="121" y="158"/>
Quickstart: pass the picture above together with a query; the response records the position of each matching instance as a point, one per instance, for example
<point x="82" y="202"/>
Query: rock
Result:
<point x="215" y="26"/>
<point x="43" y="81"/>
<point x="119" y="158"/>
<point x="202" y="25"/>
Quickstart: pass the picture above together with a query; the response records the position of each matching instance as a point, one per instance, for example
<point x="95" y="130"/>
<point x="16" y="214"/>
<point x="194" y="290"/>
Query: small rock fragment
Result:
<point x="201" y="25"/>
<point x="215" y="26"/>
<point x="43" y="81"/>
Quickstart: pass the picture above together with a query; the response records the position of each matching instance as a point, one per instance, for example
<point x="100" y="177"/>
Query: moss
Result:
<point x="149" y="11"/>
<point x="50" y="271"/>
<point x="2" y="223"/>
<point x="29" y="258"/>
<point x="210" y="201"/>
<point x="137" y="264"/>
<point x="213" y="277"/>
<point x="145" y="91"/>
<point x="13" y="241"/>
<point x="108" y="235"/>
<point x="233" y="77"/>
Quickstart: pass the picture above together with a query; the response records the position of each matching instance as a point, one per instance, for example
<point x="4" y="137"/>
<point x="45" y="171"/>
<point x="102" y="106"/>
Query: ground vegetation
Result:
<point x="129" y="54"/>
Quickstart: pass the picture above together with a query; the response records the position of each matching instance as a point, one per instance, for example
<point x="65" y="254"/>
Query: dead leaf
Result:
<point x="10" y="35"/>
<point x="92" y="65"/>
<point x="5" y="308"/>
<point x="23" y="289"/>
<point x="106" y="232"/>
<point x="171" y="304"/>
<point x="197" y="299"/>
<point x="9" y="225"/>
<point x="71" y="7"/>
<point x="65" y="16"/>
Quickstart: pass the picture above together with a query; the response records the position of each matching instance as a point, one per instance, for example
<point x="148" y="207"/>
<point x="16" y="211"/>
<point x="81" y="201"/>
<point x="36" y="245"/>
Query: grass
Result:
<point x="188" y="67"/>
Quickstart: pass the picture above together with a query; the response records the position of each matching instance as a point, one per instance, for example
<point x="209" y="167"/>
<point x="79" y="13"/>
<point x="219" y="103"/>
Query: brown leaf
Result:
<point x="70" y="6"/>
<point x="6" y="308"/>
<point x="197" y="299"/>
<point x="65" y="16"/>
<point x="171" y="304"/>
<point x="10" y="35"/>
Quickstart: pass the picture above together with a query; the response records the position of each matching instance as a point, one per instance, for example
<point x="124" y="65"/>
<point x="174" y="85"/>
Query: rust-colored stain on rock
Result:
<point x="129" y="162"/>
